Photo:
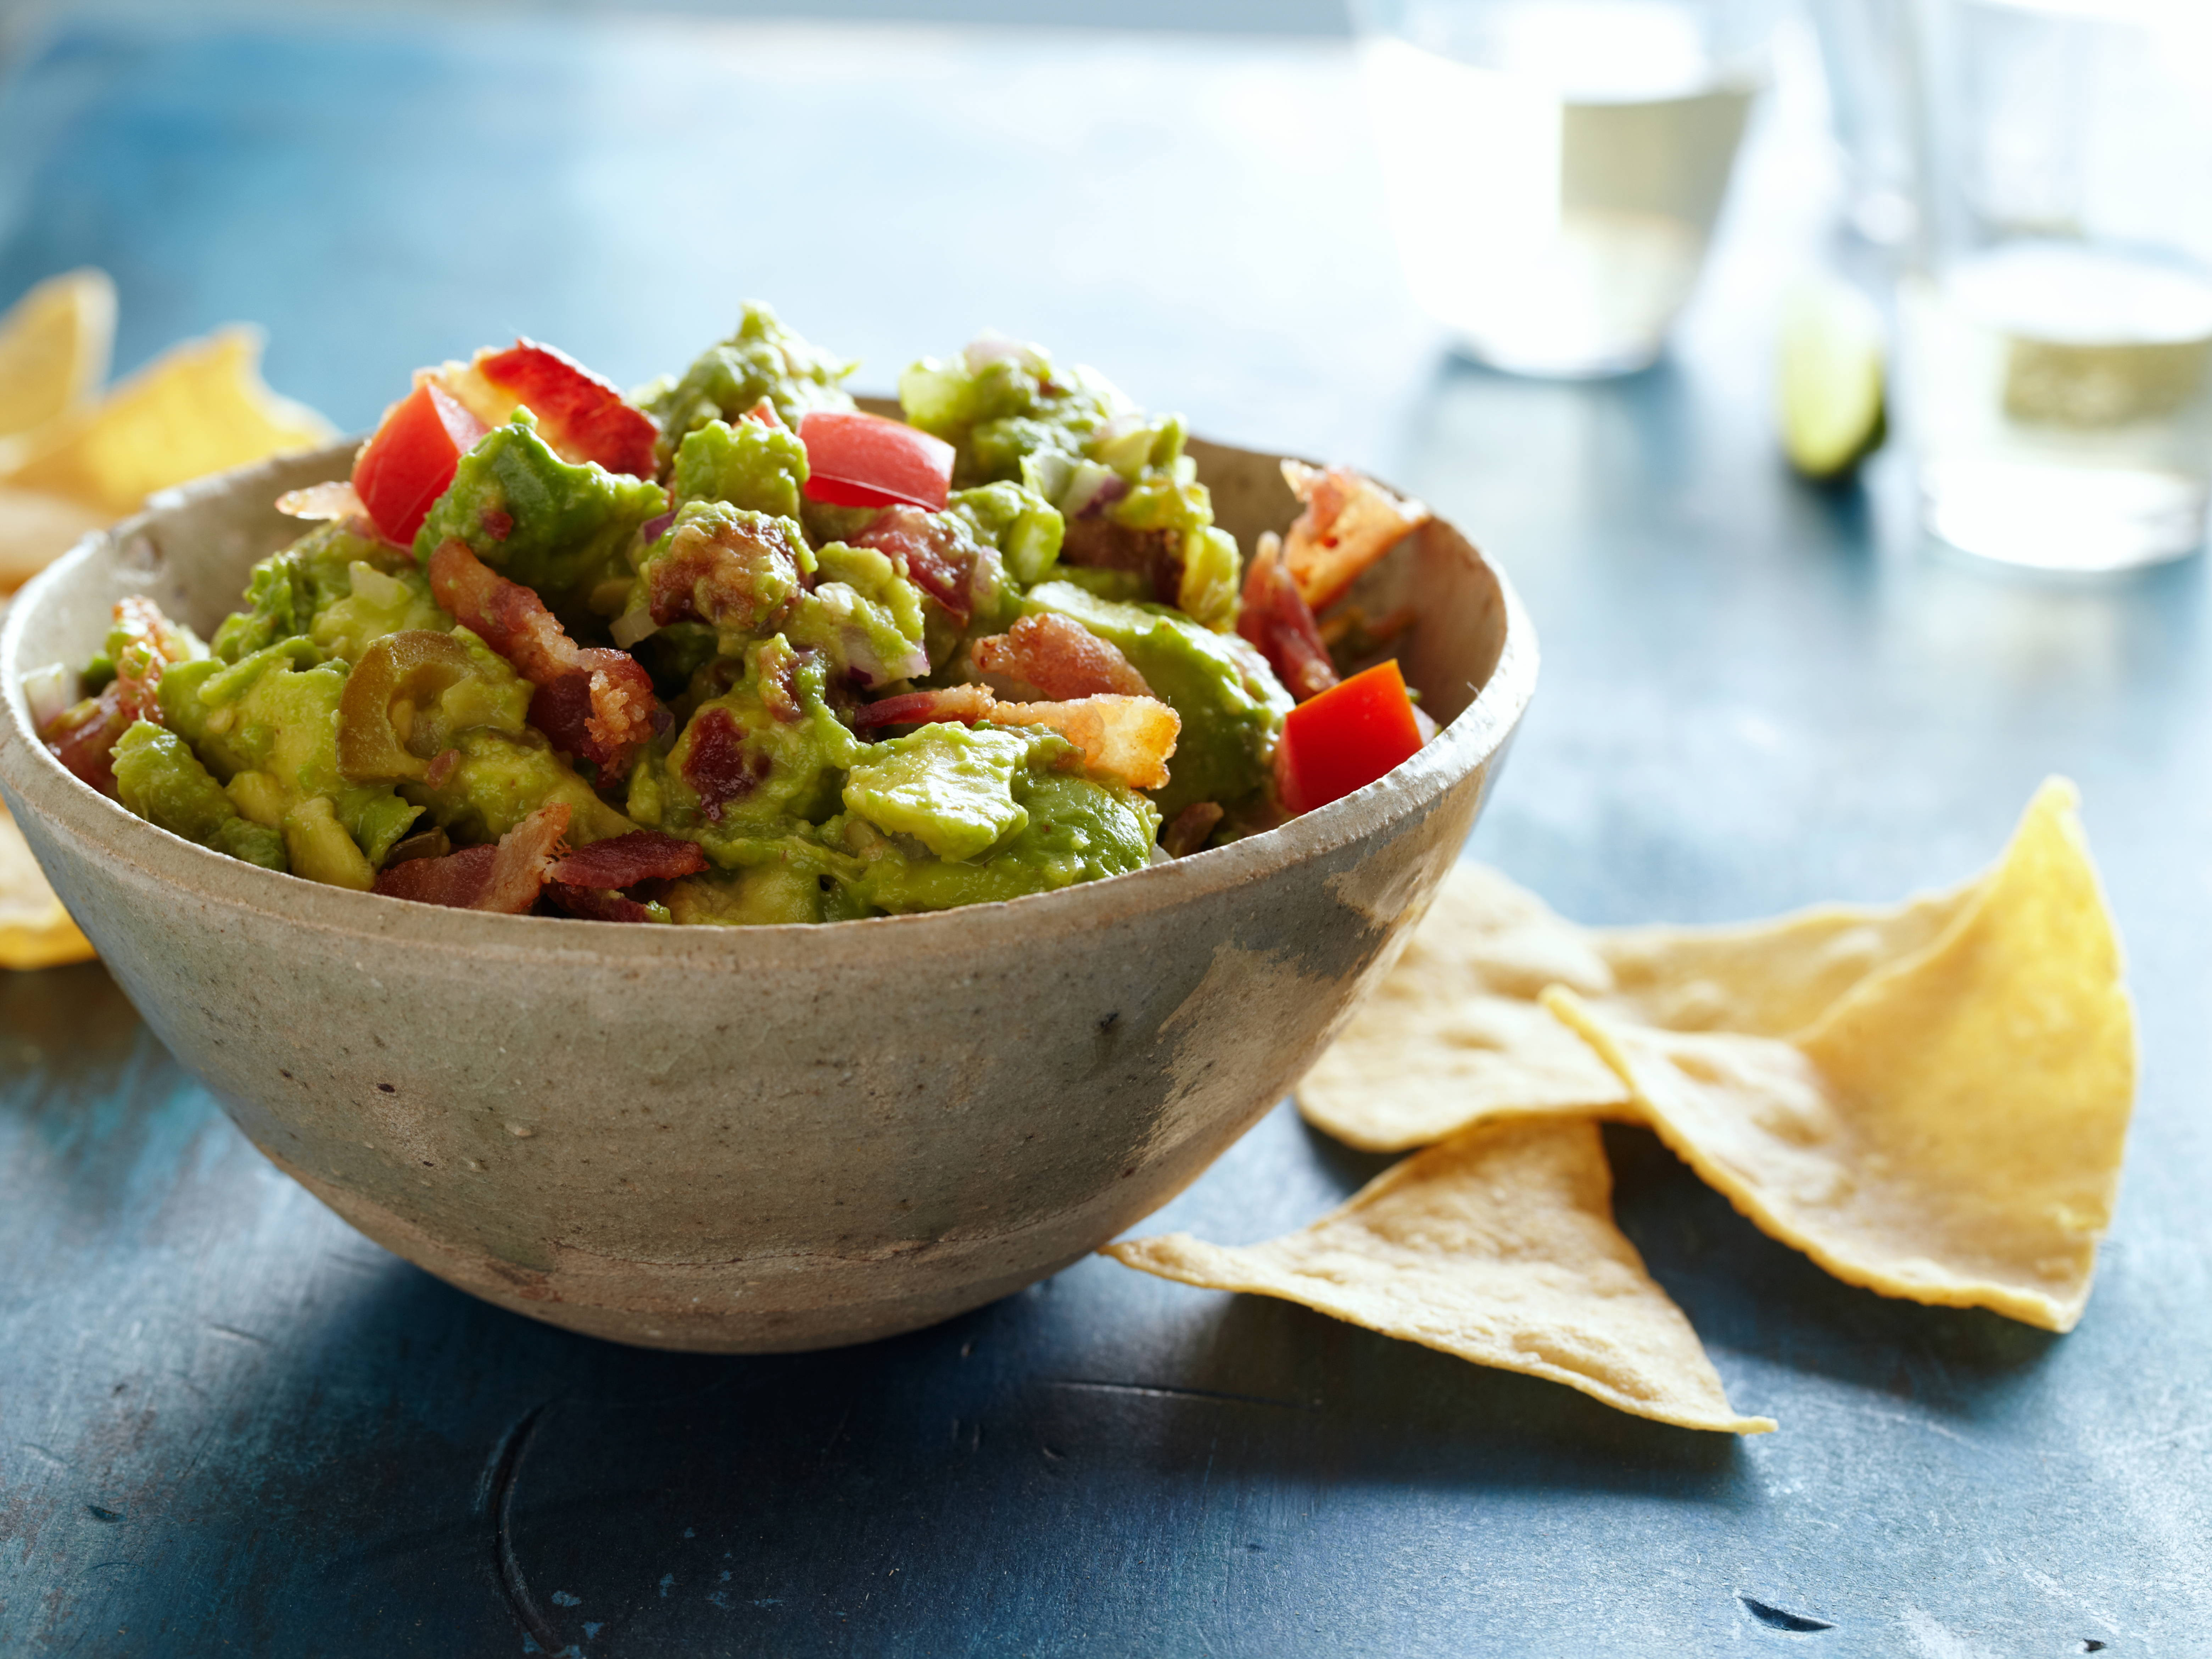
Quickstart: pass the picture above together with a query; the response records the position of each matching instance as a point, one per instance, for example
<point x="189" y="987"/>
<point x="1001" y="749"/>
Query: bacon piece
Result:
<point x="1275" y="617"/>
<point x="506" y="878"/>
<point x="1061" y="658"/>
<point x="1350" y="521"/>
<point x="743" y="574"/>
<point x="625" y="860"/>
<point x="83" y="736"/>
<point x="1100" y="544"/>
<point x="1125" y="738"/>
<point x="594" y="904"/>
<point x="595" y="703"/>
<point x="719" y="767"/>
<point x="1190" y="828"/>
<point x="932" y="551"/>
<point x="964" y="704"/>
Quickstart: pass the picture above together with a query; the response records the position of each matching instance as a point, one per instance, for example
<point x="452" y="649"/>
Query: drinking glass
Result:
<point x="1553" y="167"/>
<point x="2056" y="318"/>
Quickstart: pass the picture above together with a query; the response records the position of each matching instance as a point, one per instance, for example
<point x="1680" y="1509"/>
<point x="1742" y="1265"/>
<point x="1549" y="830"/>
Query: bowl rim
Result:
<point x="70" y="806"/>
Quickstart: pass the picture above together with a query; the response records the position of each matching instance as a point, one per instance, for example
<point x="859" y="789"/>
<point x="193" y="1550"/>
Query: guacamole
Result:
<point x="818" y="667"/>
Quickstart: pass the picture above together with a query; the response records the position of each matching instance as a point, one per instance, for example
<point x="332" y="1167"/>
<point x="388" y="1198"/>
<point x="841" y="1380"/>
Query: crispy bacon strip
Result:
<point x="744" y="576"/>
<point x="930" y="549"/>
<point x="1059" y="657"/>
<point x="965" y="703"/>
<point x="1275" y="617"/>
<point x="1125" y="738"/>
<point x="718" y="766"/>
<point x="1349" y="522"/>
<point x="594" y="904"/>
<point x="625" y="860"/>
<point x="597" y="704"/>
<point x="1100" y="544"/>
<point x="506" y="878"/>
<point x="1121" y="737"/>
<point x="1188" y="833"/>
<point x="82" y="738"/>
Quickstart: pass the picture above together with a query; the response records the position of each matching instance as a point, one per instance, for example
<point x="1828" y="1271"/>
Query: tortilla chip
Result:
<point x="36" y="529"/>
<point x="1951" y="1130"/>
<point x="1454" y="1033"/>
<point x="53" y="349"/>
<point x="1499" y="1247"/>
<point x="199" y="408"/>
<point x="35" y="932"/>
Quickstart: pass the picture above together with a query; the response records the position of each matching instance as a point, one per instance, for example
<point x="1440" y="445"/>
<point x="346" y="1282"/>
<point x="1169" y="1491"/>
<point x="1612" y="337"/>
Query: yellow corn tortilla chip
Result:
<point x="35" y="932"/>
<point x="36" y="529"/>
<point x="197" y="408"/>
<point x="1454" y="1033"/>
<point x="1499" y="1247"/>
<point x="1950" y="1131"/>
<point x="54" y="344"/>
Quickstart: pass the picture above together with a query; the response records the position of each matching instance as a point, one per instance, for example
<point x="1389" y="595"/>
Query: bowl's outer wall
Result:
<point x="759" y="1139"/>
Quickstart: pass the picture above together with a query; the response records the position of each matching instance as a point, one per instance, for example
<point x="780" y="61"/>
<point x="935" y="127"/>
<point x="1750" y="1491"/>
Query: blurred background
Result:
<point x="1187" y="195"/>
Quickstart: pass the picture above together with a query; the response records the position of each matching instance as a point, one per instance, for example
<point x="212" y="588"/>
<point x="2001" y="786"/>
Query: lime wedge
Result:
<point x="1831" y="391"/>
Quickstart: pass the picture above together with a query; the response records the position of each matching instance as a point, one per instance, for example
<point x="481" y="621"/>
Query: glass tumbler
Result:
<point x="1554" y="168"/>
<point x="2056" y="316"/>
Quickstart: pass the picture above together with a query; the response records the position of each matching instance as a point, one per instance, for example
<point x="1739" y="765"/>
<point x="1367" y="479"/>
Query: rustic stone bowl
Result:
<point x="759" y="1139"/>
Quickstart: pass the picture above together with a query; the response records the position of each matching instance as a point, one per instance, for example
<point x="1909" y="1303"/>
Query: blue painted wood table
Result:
<point x="228" y="1424"/>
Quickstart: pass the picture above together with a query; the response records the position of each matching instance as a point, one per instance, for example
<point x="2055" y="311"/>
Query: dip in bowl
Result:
<point x="764" y="1138"/>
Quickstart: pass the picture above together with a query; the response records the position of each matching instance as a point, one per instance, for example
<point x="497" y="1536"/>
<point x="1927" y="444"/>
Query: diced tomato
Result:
<point x="864" y="461"/>
<point x="1346" y="738"/>
<point x="584" y="416"/>
<point x="764" y="413"/>
<point x="410" y="462"/>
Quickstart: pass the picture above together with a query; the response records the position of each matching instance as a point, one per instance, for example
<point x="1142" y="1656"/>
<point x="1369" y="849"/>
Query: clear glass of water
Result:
<point x="2056" y="319"/>
<point x="1554" y="166"/>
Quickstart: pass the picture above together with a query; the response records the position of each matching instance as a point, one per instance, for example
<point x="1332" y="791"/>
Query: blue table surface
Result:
<point x="228" y="1424"/>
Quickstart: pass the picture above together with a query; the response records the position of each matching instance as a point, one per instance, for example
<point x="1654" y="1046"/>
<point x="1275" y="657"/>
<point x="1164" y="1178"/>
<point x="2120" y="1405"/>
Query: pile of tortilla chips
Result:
<point x="1930" y="1101"/>
<point x="74" y="458"/>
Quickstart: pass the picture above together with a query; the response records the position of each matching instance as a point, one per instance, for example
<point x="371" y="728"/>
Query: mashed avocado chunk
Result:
<point x="266" y="727"/>
<point x="949" y="787"/>
<point x="159" y="779"/>
<point x="752" y="465"/>
<point x="534" y="518"/>
<point x="762" y="359"/>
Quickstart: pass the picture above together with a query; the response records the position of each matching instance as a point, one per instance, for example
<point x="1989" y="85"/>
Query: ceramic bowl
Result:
<point x="769" y="1138"/>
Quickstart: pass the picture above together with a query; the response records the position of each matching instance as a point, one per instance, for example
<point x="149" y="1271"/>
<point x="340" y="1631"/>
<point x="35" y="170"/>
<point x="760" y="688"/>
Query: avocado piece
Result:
<point x="1025" y="528"/>
<point x="500" y="778"/>
<point x="1231" y="702"/>
<point x="1074" y="828"/>
<point x="272" y="720"/>
<point x="758" y="467"/>
<point x="762" y="359"/>
<point x="378" y="600"/>
<point x="753" y="765"/>
<point x="534" y="518"/>
<point x="158" y="777"/>
<point x="291" y="585"/>
<point x="949" y="787"/>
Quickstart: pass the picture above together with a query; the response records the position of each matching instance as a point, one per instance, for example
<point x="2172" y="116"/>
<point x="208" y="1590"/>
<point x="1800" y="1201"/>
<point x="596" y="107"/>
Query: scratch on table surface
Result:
<point x="1163" y="1391"/>
<point x="39" y="1451"/>
<point x="236" y="1334"/>
<point x="495" y="1496"/>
